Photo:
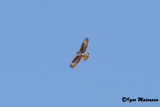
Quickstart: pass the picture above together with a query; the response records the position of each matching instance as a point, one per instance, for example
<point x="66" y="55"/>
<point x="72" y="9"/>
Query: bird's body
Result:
<point x="84" y="55"/>
<point x="80" y="54"/>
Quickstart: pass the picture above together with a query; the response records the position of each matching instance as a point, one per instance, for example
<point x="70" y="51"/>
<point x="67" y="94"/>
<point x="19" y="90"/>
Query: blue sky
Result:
<point x="39" y="39"/>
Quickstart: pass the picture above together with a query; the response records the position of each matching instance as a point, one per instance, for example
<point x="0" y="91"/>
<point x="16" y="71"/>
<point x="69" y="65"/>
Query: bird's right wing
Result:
<point x="75" y="61"/>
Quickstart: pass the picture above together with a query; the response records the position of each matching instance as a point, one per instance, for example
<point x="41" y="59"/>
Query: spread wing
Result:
<point x="75" y="61"/>
<point x="84" y="45"/>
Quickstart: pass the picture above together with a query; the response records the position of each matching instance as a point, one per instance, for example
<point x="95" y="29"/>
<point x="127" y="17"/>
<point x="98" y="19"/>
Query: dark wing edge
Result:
<point x="75" y="61"/>
<point x="84" y="45"/>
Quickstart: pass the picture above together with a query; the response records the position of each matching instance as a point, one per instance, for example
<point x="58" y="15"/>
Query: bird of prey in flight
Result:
<point x="80" y="54"/>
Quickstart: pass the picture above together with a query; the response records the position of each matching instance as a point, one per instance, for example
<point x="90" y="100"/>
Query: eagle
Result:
<point x="80" y="54"/>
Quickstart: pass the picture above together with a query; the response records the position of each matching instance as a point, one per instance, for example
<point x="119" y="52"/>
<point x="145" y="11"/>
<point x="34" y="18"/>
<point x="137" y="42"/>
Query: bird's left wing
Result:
<point x="84" y="45"/>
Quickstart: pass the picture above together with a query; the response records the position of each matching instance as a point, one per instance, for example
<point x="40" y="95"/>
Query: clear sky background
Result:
<point x="39" y="39"/>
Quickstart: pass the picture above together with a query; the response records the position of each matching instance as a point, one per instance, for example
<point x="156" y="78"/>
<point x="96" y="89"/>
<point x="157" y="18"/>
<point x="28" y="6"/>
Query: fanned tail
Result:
<point x="85" y="56"/>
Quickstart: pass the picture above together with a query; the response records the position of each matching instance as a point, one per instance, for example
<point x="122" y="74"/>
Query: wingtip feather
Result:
<point x="87" y="39"/>
<point x="71" y="66"/>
